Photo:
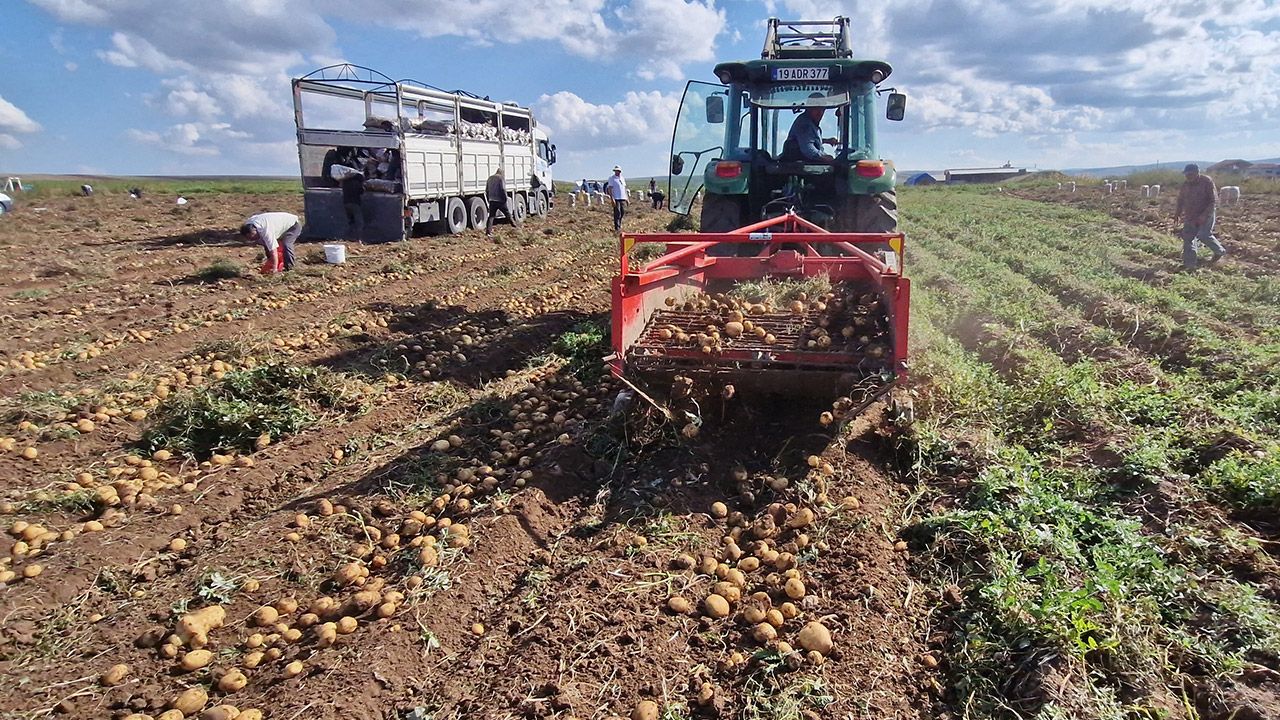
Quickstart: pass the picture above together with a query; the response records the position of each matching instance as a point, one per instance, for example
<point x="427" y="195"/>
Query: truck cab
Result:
<point x="731" y="146"/>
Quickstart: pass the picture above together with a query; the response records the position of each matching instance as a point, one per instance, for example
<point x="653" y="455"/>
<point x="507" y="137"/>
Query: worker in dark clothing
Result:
<point x="1197" y="207"/>
<point x="495" y="191"/>
<point x="352" y="202"/>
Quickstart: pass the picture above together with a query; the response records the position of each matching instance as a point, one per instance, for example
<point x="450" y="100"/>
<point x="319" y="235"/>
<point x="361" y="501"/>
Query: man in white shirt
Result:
<point x="276" y="232"/>
<point x="617" y="190"/>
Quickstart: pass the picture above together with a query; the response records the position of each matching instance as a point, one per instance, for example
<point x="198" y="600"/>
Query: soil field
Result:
<point x="397" y="488"/>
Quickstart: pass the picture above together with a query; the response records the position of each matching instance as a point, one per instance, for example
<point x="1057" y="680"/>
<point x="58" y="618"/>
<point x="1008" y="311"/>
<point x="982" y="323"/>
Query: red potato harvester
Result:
<point x="854" y="345"/>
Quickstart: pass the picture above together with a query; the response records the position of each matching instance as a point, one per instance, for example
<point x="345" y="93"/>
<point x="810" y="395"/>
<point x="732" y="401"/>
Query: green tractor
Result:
<point x="792" y="132"/>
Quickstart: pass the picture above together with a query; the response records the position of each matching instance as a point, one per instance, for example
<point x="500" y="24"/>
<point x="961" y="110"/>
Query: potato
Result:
<point x="800" y="519"/>
<point x="265" y="616"/>
<point x="753" y="615"/>
<point x="645" y="710"/>
<point x="190" y="701"/>
<point x="293" y="669"/>
<point x="749" y="563"/>
<point x="348" y="574"/>
<point x="194" y="628"/>
<point x="252" y="660"/>
<point x="170" y="714"/>
<point x="715" y="606"/>
<point x="347" y="625"/>
<point x="794" y="588"/>
<point x="232" y="681"/>
<point x="32" y="570"/>
<point x="250" y="714"/>
<point x="764" y="633"/>
<point x="195" y="660"/>
<point x="774" y="617"/>
<point x="286" y="606"/>
<point x="115" y="674"/>
<point x="815" y="637"/>
<point x="177" y="545"/>
<point x="679" y="605"/>
<point x="326" y="635"/>
<point x="719" y="510"/>
<point x="221" y="712"/>
<point x="789" y="610"/>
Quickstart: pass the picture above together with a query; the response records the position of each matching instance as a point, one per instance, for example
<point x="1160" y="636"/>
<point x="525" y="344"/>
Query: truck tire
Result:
<point x="518" y="210"/>
<point x="722" y="213"/>
<point x="455" y="216"/>
<point x="543" y="205"/>
<point x="477" y="213"/>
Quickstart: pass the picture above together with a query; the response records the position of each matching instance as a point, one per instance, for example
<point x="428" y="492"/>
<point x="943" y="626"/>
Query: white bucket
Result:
<point x="335" y="254"/>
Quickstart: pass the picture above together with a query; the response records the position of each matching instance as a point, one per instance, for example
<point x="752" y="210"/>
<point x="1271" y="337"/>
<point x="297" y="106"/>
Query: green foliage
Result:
<point x="40" y="408"/>
<point x="584" y="347"/>
<point x="277" y="400"/>
<point x="1071" y="390"/>
<point x="1245" y="481"/>
<point x="219" y="270"/>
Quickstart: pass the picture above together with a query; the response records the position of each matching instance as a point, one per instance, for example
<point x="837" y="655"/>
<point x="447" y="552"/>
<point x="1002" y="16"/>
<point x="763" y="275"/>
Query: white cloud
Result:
<point x="190" y="138"/>
<point x="640" y="118"/>
<point x="658" y="36"/>
<point x="1009" y="66"/>
<point x="70" y="66"/>
<point x="14" y="121"/>
<point x="9" y="142"/>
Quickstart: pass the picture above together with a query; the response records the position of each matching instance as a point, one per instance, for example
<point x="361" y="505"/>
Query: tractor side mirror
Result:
<point x="677" y="164"/>
<point x="897" y="106"/>
<point x="715" y="109"/>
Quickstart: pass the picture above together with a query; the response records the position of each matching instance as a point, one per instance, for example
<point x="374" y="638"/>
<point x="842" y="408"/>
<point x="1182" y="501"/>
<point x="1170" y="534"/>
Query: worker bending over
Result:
<point x="276" y="232"/>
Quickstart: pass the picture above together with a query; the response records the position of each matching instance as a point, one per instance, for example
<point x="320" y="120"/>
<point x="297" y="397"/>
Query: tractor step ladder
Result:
<point x="807" y="39"/>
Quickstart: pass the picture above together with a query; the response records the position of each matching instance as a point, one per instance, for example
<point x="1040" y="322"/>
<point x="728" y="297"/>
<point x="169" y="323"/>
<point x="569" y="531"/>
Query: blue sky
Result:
<point x="170" y="87"/>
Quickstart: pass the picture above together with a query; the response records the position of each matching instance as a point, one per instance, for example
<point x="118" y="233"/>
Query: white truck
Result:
<point x="424" y="155"/>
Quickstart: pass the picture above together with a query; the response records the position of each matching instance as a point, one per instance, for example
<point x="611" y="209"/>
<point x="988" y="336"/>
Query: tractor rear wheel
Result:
<point x="877" y="213"/>
<point x="720" y="214"/>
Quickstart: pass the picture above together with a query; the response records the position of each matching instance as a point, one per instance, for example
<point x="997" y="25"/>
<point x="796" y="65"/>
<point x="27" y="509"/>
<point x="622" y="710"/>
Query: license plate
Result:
<point x="802" y="74"/>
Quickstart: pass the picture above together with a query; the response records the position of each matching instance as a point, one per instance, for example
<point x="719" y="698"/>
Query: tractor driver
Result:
<point x="805" y="141"/>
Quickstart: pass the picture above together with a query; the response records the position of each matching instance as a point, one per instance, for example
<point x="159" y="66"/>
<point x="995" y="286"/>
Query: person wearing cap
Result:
<point x="617" y="189"/>
<point x="804" y="140"/>
<point x="276" y="232"/>
<point x="1197" y="207"/>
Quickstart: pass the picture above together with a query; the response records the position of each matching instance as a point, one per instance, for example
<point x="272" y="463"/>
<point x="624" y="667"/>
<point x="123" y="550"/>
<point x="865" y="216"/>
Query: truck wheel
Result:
<point x="477" y="213"/>
<point x="543" y="204"/>
<point x="455" y="216"/>
<point x="518" y="210"/>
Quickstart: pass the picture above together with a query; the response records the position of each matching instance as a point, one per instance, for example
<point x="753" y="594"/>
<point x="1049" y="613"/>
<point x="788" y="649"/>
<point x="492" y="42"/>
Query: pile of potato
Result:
<point x="844" y="319"/>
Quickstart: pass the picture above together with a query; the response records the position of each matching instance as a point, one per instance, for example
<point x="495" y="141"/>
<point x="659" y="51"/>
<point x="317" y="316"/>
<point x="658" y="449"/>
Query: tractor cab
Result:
<point x="792" y="131"/>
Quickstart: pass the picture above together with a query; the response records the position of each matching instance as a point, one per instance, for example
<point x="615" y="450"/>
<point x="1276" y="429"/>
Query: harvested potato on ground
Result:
<point x="293" y="669"/>
<point x="794" y="588"/>
<point x="195" y="660"/>
<point x="265" y="616"/>
<point x="194" y="628"/>
<point x="232" y="681"/>
<point x="815" y="637"/>
<point x="221" y="712"/>
<point x="115" y="674"/>
<point x="190" y="701"/>
<point x="715" y="606"/>
<point x="677" y="604"/>
<point x="645" y="710"/>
